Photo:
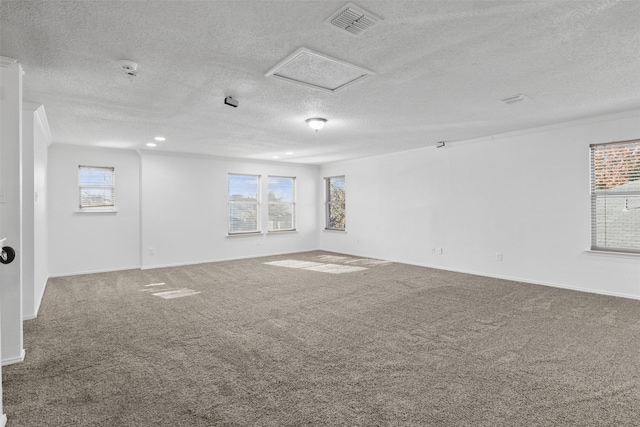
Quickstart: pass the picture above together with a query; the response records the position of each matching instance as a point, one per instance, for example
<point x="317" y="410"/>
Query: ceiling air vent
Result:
<point x="353" y="19"/>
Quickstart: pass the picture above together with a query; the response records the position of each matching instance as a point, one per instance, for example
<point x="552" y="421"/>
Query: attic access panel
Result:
<point x="311" y="69"/>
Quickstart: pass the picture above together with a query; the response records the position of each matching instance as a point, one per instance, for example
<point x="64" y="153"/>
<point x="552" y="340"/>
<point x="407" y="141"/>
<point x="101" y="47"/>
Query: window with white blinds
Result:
<point x="615" y="196"/>
<point x="97" y="187"/>
<point x="282" y="204"/>
<point x="244" y="203"/>
<point x="335" y="203"/>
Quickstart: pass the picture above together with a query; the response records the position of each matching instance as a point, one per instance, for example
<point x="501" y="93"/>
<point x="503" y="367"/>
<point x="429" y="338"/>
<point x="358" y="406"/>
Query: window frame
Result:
<point x="97" y="208"/>
<point x="621" y="197"/>
<point x="329" y="203"/>
<point x="292" y="204"/>
<point x="230" y="203"/>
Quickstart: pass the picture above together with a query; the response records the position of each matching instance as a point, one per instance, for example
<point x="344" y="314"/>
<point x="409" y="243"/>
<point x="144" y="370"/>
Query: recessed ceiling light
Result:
<point x="289" y="153"/>
<point x="275" y="157"/>
<point x="160" y="138"/>
<point x="151" y="144"/>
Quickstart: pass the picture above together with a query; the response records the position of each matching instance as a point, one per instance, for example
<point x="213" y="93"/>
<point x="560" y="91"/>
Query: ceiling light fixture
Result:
<point x="151" y="144"/>
<point x="316" y="123"/>
<point x="160" y="138"/>
<point x="129" y="67"/>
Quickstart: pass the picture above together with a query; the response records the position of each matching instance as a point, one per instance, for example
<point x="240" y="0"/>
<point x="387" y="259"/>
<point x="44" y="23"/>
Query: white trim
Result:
<point x="6" y="62"/>
<point x="3" y="420"/>
<point x="614" y="254"/>
<point x="95" y="210"/>
<point x="40" y="117"/>
<point x="38" y="302"/>
<point x="13" y="360"/>
<point x="225" y="259"/>
<point x="496" y="276"/>
<point x="108" y="270"/>
<point x="521" y="132"/>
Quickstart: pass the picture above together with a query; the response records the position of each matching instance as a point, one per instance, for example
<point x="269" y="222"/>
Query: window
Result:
<point x="282" y="205"/>
<point x="97" y="187"/>
<point x="615" y="196"/>
<point x="244" y="204"/>
<point x="335" y="203"/>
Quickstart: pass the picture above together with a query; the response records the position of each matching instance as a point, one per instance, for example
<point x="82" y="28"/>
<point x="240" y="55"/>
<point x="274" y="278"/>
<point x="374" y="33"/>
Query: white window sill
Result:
<point x="250" y="233"/>
<point x="612" y="254"/>
<point x="96" y="210"/>
<point x="333" y="230"/>
<point x="281" y="231"/>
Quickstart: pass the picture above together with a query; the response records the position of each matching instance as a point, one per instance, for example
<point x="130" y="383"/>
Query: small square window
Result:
<point x="97" y="187"/>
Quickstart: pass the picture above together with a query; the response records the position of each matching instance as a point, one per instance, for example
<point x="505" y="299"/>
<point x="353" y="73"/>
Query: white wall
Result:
<point x="185" y="212"/>
<point x="35" y="140"/>
<point x="92" y="242"/>
<point x="11" y="210"/>
<point x="524" y="195"/>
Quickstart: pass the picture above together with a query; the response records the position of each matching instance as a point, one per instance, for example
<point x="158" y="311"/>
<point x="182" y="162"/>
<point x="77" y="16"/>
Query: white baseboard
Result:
<point x="495" y="276"/>
<point x="224" y="259"/>
<point x="13" y="360"/>
<point x="108" y="270"/>
<point x="3" y="420"/>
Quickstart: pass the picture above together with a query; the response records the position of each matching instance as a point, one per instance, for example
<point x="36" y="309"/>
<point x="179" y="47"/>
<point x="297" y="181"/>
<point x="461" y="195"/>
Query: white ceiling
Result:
<point x="441" y="67"/>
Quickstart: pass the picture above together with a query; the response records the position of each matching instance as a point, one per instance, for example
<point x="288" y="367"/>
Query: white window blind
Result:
<point x="615" y="196"/>
<point x="335" y="208"/>
<point x="282" y="206"/>
<point x="244" y="203"/>
<point x="97" y="187"/>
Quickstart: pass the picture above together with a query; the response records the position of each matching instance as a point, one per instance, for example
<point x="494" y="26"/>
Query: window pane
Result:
<point x="280" y="189"/>
<point x="96" y="177"/>
<point x="92" y="197"/>
<point x="617" y="223"/>
<point x="280" y="216"/>
<point x="96" y="186"/>
<point x="336" y="203"/>
<point x="336" y="189"/>
<point x="616" y="166"/>
<point x="243" y="187"/>
<point x="244" y="206"/>
<point x="281" y="195"/>
<point x="337" y="218"/>
<point x="243" y="217"/>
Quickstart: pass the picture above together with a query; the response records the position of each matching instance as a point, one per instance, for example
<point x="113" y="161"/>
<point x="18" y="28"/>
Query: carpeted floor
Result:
<point x="311" y="340"/>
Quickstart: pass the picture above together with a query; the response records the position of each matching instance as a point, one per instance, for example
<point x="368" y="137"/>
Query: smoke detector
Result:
<point x="128" y="67"/>
<point x="353" y="19"/>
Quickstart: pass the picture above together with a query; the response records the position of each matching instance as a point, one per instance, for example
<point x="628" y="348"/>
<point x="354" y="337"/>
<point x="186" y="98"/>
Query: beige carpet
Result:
<point x="310" y="340"/>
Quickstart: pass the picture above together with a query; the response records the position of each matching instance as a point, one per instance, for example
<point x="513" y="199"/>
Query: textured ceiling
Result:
<point x="441" y="68"/>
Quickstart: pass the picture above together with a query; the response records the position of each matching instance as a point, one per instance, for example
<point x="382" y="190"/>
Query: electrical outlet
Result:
<point x="152" y="251"/>
<point x="498" y="256"/>
<point x="440" y="251"/>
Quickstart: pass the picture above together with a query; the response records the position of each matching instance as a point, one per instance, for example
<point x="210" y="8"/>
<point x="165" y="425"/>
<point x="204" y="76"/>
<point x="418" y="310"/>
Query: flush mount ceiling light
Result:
<point x="160" y="138"/>
<point x="151" y="144"/>
<point x="317" y="71"/>
<point x="128" y="67"/>
<point x="316" y="123"/>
